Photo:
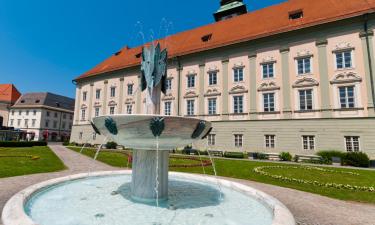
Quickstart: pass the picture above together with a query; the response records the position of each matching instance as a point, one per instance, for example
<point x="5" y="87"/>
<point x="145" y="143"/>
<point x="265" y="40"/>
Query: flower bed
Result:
<point x="261" y="170"/>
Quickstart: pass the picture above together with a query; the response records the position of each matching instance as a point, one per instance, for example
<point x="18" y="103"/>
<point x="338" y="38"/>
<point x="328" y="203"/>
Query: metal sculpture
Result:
<point x="154" y="74"/>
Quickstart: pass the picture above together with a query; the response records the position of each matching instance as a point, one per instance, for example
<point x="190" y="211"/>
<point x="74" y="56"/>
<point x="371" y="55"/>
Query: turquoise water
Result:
<point x="106" y="201"/>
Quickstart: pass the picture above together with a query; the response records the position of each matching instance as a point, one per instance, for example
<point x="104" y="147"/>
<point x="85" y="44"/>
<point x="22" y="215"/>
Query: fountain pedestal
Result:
<point x="144" y="175"/>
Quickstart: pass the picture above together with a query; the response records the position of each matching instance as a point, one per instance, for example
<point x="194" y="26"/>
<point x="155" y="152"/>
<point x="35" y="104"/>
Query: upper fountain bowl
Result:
<point x="138" y="131"/>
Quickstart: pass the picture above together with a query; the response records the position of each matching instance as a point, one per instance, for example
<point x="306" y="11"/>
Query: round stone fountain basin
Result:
<point x="134" y="131"/>
<point x="104" y="198"/>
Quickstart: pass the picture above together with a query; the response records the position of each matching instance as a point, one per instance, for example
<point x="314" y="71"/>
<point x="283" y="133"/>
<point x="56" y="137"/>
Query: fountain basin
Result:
<point x="240" y="203"/>
<point x="133" y="131"/>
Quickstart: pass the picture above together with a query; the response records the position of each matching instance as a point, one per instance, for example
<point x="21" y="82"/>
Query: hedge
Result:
<point x="236" y="155"/>
<point x="22" y="143"/>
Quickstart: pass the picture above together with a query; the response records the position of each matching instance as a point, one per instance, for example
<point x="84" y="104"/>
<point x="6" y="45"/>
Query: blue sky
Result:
<point x="45" y="44"/>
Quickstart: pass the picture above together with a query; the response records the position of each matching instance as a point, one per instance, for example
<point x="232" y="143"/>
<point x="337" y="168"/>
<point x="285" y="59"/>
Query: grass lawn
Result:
<point x="243" y="169"/>
<point x="23" y="161"/>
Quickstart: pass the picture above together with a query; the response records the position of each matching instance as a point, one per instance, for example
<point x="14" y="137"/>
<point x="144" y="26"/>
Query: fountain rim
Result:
<point x="14" y="209"/>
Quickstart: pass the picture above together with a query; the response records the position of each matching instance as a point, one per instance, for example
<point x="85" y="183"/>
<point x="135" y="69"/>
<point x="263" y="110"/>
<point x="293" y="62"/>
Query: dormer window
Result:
<point x="22" y="101"/>
<point x="117" y="53"/>
<point x="138" y="55"/>
<point x="206" y="38"/>
<point x="37" y="101"/>
<point x="296" y="15"/>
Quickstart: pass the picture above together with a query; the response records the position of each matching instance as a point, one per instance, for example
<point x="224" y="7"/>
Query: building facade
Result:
<point x="296" y="77"/>
<point x="8" y="96"/>
<point x="43" y="116"/>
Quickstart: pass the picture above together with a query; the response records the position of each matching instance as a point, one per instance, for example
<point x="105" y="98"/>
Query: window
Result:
<point x="93" y="136"/>
<point x="55" y="124"/>
<point x="34" y="112"/>
<point x="130" y="89"/>
<point x="71" y="116"/>
<point x="268" y="70"/>
<point x="129" y="109"/>
<point x="169" y="84"/>
<point x="211" y="139"/>
<point x="80" y="135"/>
<point x="308" y="142"/>
<point x="33" y="121"/>
<point x="11" y="122"/>
<point x="238" y="74"/>
<point x="84" y="95"/>
<point x="83" y="114"/>
<point x="27" y="112"/>
<point x="63" y="125"/>
<point x="111" y="110"/>
<point x="269" y="102"/>
<point x="212" y="78"/>
<point x="97" y="112"/>
<point x="191" y="81"/>
<point x="167" y="108"/>
<point x="97" y="94"/>
<point x="304" y="65"/>
<point x="238" y="104"/>
<point x="212" y="106"/>
<point x="269" y="141"/>
<point x="352" y="143"/>
<point x="305" y="100"/>
<point x="47" y="113"/>
<point x="12" y="112"/>
<point x="19" y="112"/>
<point x="55" y="114"/>
<point x="296" y="15"/>
<point x="238" y="140"/>
<point x="113" y="91"/>
<point x="347" y="97"/>
<point x="190" y="107"/>
<point x="19" y="122"/>
<point x="344" y="60"/>
<point x="47" y="123"/>
<point x="26" y="123"/>
<point x="64" y="116"/>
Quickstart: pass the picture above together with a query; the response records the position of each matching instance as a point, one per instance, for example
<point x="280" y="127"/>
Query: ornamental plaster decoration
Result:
<point x="168" y="97"/>
<point x="191" y="72"/>
<point x="304" y="53"/>
<point x="112" y="103"/>
<point x="268" y="86"/>
<point x="238" y="89"/>
<point x="190" y="94"/>
<point x="212" y="69"/>
<point x="83" y="106"/>
<point x="212" y="92"/>
<point x="346" y="77"/>
<point x="238" y="65"/>
<point x="305" y="82"/>
<point x="343" y="46"/>
<point x="129" y="101"/>
<point x="268" y="59"/>
<point x="97" y="104"/>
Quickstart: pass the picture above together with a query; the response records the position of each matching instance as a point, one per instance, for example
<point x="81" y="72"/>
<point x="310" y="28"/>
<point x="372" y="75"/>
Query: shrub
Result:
<point x="285" y="156"/>
<point x="203" y="152"/>
<point x="235" y="155"/>
<point x="66" y="143"/>
<point x="22" y="143"/>
<point x="357" y="159"/>
<point x="261" y="156"/>
<point x="111" y="145"/>
<point x="327" y="155"/>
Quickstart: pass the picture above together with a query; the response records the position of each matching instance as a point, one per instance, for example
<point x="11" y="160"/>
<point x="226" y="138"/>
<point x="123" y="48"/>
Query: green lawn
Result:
<point x="244" y="170"/>
<point x="23" y="161"/>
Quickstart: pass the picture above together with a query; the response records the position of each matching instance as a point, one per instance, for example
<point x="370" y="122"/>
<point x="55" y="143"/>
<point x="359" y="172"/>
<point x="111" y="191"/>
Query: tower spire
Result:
<point x="229" y="9"/>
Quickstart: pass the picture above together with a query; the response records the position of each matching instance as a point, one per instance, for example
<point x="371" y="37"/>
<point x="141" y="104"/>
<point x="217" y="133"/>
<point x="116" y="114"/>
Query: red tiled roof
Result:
<point x="253" y="25"/>
<point x="9" y="93"/>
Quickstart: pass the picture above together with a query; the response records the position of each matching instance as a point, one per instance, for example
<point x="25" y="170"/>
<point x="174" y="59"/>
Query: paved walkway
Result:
<point x="308" y="209"/>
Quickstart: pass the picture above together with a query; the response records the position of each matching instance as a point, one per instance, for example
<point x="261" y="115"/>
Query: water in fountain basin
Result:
<point x="77" y="202"/>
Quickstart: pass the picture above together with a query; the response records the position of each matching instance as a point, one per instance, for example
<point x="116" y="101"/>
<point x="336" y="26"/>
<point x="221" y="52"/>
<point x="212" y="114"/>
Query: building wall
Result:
<point x="4" y="113"/>
<point x="319" y="43"/>
<point x="44" y="119"/>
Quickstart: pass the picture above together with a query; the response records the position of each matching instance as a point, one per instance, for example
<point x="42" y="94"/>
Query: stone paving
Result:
<point x="308" y="209"/>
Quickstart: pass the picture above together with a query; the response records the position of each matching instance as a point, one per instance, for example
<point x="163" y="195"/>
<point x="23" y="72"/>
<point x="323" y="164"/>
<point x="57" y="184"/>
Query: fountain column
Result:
<point x="144" y="173"/>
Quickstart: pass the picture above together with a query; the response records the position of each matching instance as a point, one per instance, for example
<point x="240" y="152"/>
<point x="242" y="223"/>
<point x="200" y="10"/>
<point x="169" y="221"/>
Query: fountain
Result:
<point x="148" y="196"/>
